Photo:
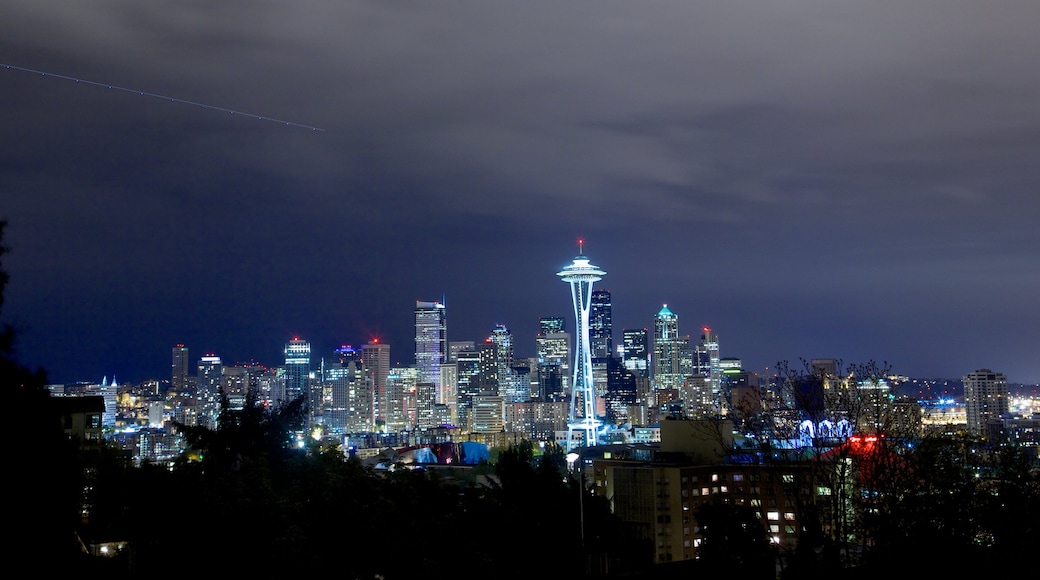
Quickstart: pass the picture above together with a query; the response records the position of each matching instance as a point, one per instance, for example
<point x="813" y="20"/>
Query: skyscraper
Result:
<point x="634" y="351"/>
<point x="431" y="340"/>
<point x="508" y="386"/>
<point x="179" y="368"/>
<point x="710" y="346"/>
<point x="552" y="324"/>
<point x="667" y="356"/>
<point x="601" y="338"/>
<point x="581" y="274"/>
<point x="554" y="362"/>
<point x="207" y="397"/>
<point x="986" y="398"/>
<point x="298" y="371"/>
<point x="376" y="358"/>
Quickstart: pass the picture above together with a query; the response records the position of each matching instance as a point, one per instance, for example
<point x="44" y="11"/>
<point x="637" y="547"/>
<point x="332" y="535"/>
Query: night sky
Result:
<point x="852" y="180"/>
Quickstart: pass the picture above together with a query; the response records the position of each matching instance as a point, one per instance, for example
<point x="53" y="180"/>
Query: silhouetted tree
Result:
<point x="44" y="480"/>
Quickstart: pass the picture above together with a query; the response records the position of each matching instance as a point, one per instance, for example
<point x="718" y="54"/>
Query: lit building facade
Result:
<point x="986" y="398"/>
<point x="180" y="370"/>
<point x="431" y="340"/>
<point x="298" y="373"/>
<point x="667" y="358"/>
<point x="601" y="341"/>
<point x="376" y="358"/>
<point x="207" y="396"/>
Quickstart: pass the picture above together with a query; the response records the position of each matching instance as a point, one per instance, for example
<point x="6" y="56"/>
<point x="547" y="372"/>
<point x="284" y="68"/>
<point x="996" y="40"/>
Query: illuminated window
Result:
<point x="789" y="516"/>
<point x="788" y="478"/>
<point x="738" y="477"/>
<point x="773" y="516"/>
<point x="774" y="529"/>
<point x="704" y="491"/>
<point x="724" y="489"/>
<point x="823" y="490"/>
<point x="714" y="477"/>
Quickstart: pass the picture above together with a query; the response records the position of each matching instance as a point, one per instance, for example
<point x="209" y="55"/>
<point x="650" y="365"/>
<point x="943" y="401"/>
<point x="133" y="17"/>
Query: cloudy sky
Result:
<point x="809" y="178"/>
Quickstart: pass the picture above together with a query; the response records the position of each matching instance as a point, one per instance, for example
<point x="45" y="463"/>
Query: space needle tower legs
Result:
<point x="580" y="274"/>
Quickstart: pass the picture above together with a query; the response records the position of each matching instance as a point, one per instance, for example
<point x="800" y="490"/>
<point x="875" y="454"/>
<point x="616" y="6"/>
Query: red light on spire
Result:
<point x="581" y="246"/>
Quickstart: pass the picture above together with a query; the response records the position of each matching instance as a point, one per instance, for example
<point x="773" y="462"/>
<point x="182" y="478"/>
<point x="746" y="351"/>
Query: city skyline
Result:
<point x="809" y="181"/>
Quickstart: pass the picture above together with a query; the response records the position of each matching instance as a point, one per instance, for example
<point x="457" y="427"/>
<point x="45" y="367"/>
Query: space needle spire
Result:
<point x="580" y="274"/>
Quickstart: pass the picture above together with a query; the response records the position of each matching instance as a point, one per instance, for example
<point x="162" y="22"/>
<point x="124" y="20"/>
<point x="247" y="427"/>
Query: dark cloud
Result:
<point x="809" y="178"/>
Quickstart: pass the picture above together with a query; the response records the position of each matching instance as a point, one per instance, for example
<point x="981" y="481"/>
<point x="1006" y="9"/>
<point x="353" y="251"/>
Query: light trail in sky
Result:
<point x="164" y="97"/>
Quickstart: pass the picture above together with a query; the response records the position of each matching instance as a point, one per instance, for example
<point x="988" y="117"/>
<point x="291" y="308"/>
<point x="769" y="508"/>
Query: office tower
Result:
<point x="235" y="384"/>
<point x="298" y="372"/>
<point x="455" y="346"/>
<point x="400" y="402"/>
<point x="826" y="368"/>
<point x="622" y="391"/>
<point x="552" y="324"/>
<point x="376" y="358"/>
<point x="986" y="398"/>
<point x="488" y="414"/>
<point x="431" y="340"/>
<point x="634" y="353"/>
<point x="425" y="402"/>
<point x="667" y="356"/>
<point x="469" y="385"/>
<point x="580" y="274"/>
<point x="525" y="378"/>
<point x="180" y="366"/>
<point x="207" y="394"/>
<point x="348" y="399"/>
<point x="553" y="349"/>
<point x="509" y="387"/>
<point x="448" y="393"/>
<point x="601" y="339"/>
<point x="710" y="346"/>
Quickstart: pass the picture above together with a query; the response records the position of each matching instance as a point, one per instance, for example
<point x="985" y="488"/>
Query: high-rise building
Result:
<point x="635" y="353"/>
<point x="554" y="362"/>
<point x="180" y="372"/>
<point x="601" y="338"/>
<point x="298" y="371"/>
<point x="986" y="398"/>
<point x="469" y="382"/>
<point x="488" y="414"/>
<point x="207" y="395"/>
<point x="710" y="346"/>
<point x="455" y="346"/>
<point x="376" y="358"/>
<point x="667" y="357"/>
<point x="349" y="407"/>
<point x="581" y="274"/>
<point x="511" y="389"/>
<point x="431" y="340"/>
<point x="235" y="384"/>
<point x="552" y="324"/>
<point x="400" y="403"/>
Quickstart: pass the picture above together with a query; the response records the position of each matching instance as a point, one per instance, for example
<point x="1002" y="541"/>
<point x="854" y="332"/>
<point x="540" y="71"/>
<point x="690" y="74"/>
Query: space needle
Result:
<point x="580" y="274"/>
